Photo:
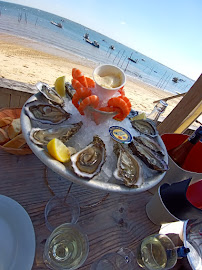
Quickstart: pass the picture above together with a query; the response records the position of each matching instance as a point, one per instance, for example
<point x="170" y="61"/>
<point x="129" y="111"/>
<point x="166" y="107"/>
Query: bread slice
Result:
<point x="16" y="142"/>
<point x="14" y="129"/>
<point x="3" y="136"/>
<point x="5" y="121"/>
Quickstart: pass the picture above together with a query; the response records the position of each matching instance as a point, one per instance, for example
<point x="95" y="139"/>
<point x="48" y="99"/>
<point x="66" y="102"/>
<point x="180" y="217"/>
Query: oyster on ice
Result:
<point x="50" y="93"/>
<point x="150" y="143"/>
<point x="88" y="162"/>
<point x="64" y="133"/>
<point x="129" y="169"/>
<point x="46" y="113"/>
<point x="151" y="159"/>
<point x="145" y="127"/>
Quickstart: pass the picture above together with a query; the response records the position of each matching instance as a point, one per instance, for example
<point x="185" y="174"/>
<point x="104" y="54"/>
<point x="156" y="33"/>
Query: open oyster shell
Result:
<point x="42" y="136"/>
<point x="88" y="162"/>
<point x="46" y="113"/>
<point x="150" y="143"/>
<point x="145" y="127"/>
<point x="50" y="93"/>
<point x="129" y="169"/>
<point x="151" y="159"/>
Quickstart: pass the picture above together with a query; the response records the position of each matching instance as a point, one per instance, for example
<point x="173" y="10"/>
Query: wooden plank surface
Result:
<point x="119" y="221"/>
<point x="184" y="109"/>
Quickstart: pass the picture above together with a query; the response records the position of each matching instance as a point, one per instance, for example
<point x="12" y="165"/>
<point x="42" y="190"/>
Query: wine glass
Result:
<point x="61" y="210"/>
<point x="123" y="259"/>
<point x="157" y="252"/>
<point x="66" y="248"/>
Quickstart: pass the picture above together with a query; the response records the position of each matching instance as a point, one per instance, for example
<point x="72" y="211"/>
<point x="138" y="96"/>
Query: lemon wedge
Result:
<point x="60" y="86"/>
<point x="58" y="150"/>
<point x="139" y="117"/>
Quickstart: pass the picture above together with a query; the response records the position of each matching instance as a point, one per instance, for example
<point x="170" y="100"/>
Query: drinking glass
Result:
<point x="61" y="210"/>
<point x="66" y="248"/>
<point x="123" y="259"/>
<point x="157" y="252"/>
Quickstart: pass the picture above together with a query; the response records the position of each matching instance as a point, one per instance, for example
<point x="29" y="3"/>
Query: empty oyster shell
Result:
<point x="64" y="133"/>
<point x="88" y="162"/>
<point x="46" y="113"/>
<point x="145" y="127"/>
<point x="152" y="160"/>
<point x="50" y="93"/>
<point x="129" y="169"/>
<point x="150" y="143"/>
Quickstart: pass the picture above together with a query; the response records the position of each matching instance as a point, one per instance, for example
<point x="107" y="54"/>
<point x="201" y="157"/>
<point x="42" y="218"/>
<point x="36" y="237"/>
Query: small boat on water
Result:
<point x="94" y="43"/>
<point x="133" y="60"/>
<point x="57" y="24"/>
<point x="86" y="35"/>
<point x="112" y="47"/>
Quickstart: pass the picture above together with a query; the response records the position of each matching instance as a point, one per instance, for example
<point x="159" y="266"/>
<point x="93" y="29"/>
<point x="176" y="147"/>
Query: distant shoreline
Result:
<point x="29" y="61"/>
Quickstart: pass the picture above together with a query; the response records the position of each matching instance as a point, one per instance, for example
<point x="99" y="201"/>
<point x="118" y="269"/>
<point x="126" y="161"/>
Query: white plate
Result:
<point x="17" y="244"/>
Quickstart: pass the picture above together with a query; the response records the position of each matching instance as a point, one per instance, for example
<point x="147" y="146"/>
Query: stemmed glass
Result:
<point x="123" y="259"/>
<point x="157" y="252"/>
<point x="66" y="248"/>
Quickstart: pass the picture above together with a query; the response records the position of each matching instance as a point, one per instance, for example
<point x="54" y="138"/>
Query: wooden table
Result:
<point x="119" y="221"/>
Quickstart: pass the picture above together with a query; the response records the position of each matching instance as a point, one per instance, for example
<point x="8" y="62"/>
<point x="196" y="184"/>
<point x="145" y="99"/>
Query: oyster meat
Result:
<point x="129" y="169"/>
<point x="50" y="93"/>
<point x="69" y="89"/>
<point x="64" y="133"/>
<point x="46" y="113"/>
<point x="88" y="162"/>
<point x="151" y="159"/>
<point x="150" y="143"/>
<point x="145" y="127"/>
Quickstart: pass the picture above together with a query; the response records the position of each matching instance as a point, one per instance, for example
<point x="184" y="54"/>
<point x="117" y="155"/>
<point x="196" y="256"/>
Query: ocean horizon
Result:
<point x="35" y="24"/>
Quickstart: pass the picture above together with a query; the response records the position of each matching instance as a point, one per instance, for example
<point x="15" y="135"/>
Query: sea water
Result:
<point x="36" y="25"/>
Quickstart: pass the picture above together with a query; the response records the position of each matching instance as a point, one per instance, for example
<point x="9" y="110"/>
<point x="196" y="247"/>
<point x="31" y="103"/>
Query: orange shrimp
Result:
<point x="122" y="105"/>
<point x="80" y="94"/>
<point x="127" y="101"/>
<point x="92" y="100"/>
<point x="78" y="75"/>
<point x="76" y="84"/>
<point x="122" y="92"/>
<point x="110" y="109"/>
<point x="90" y="82"/>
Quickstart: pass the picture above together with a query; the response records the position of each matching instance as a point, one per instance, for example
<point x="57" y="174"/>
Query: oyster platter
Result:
<point x="97" y="160"/>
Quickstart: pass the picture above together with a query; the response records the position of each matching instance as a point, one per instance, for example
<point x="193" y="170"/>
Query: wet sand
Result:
<point x="27" y="61"/>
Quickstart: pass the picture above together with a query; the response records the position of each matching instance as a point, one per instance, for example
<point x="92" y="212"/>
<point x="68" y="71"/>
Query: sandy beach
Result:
<point x="27" y="61"/>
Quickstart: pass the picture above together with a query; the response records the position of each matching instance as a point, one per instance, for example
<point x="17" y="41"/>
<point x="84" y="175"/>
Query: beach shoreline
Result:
<point x="29" y="61"/>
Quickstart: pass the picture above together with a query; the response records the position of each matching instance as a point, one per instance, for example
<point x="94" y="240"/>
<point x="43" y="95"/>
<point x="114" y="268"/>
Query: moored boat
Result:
<point x="57" y="24"/>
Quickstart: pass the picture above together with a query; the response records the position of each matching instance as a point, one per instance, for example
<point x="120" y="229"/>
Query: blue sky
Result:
<point x="167" y="31"/>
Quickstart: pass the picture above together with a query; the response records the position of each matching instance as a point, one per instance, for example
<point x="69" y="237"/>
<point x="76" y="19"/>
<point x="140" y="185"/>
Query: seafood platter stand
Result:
<point x="113" y="192"/>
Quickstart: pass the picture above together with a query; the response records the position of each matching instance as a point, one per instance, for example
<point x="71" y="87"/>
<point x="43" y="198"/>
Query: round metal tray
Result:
<point x="65" y="172"/>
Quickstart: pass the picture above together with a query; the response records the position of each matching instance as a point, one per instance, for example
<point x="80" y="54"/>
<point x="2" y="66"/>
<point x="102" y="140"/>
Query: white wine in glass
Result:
<point x="157" y="252"/>
<point x="66" y="248"/>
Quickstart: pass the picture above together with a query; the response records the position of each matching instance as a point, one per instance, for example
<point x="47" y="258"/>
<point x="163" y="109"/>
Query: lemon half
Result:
<point x="58" y="150"/>
<point x="60" y="86"/>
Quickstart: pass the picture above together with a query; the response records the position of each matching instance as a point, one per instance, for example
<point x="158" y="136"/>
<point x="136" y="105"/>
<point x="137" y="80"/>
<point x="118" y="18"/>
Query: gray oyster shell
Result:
<point x="88" y="162"/>
<point x="46" y="113"/>
<point x="42" y="136"/>
<point x="50" y="94"/>
<point x="129" y="169"/>
<point x="145" y="127"/>
<point x="150" y="143"/>
<point x="151" y="159"/>
<point x="69" y="90"/>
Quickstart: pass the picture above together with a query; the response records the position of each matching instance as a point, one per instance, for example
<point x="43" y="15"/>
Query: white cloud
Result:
<point x="123" y="22"/>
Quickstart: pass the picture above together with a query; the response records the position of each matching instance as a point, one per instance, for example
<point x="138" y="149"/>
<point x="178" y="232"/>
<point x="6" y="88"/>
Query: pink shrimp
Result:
<point x="122" y="105"/>
<point x="90" y="82"/>
<point x="92" y="100"/>
<point x="76" y="84"/>
<point x="78" y="75"/>
<point x="80" y="94"/>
